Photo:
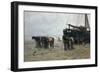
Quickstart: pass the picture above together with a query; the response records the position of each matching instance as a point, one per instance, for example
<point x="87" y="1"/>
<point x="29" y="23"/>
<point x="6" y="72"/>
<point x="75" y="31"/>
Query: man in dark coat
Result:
<point x="66" y="42"/>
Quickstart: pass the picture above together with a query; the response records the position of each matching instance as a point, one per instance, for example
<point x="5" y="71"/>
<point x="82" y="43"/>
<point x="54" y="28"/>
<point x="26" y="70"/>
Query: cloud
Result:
<point x="49" y="24"/>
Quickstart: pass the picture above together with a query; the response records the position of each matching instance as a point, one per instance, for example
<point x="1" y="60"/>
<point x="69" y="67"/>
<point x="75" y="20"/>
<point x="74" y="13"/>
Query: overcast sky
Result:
<point x="49" y="24"/>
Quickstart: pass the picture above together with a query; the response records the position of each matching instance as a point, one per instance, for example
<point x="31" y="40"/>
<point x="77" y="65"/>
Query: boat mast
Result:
<point x="87" y="26"/>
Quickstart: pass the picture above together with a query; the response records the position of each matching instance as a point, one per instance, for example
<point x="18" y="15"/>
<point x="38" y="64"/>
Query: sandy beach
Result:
<point x="57" y="53"/>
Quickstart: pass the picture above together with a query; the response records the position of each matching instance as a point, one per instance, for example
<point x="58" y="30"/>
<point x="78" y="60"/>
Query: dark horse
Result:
<point x="38" y="41"/>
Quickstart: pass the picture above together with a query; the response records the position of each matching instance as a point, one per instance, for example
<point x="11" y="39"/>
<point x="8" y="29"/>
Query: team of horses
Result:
<point x="43" y="41"/>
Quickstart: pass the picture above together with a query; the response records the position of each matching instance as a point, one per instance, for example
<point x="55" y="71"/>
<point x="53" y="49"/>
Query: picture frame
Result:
<point x="20" y="13"/>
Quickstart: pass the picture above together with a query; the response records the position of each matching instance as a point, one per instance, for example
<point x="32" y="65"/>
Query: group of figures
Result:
<point x="68" y="38"/>
<point x="68" y="43"/>
<point x="44" y="42"/>
<point x="75" y="35"/>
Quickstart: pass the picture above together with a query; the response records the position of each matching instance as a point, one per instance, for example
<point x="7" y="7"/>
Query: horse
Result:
<point x="51" y="42"/>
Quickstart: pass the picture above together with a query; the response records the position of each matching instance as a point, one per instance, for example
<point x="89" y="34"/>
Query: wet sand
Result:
<point x="57" y="53"/>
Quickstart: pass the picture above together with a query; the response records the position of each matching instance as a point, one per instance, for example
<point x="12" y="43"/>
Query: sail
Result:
<point x="87" y="22"/>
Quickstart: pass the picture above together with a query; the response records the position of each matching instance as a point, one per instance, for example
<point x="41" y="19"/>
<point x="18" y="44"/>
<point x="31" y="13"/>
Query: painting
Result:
<point x="52" y="36"/>
<point x="56" y="36"/>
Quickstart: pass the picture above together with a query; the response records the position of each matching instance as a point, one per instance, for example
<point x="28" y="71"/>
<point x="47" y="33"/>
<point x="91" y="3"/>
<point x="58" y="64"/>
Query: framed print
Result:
<point x="52" y="36"/>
